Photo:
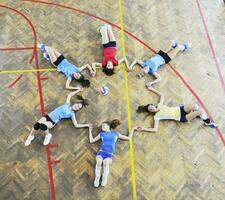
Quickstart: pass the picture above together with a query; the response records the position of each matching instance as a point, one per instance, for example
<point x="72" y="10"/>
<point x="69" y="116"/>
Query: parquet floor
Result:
<point x="180" y="161"/>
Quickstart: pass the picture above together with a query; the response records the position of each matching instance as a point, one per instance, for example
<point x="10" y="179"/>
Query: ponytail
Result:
<point x="114" y="123"/>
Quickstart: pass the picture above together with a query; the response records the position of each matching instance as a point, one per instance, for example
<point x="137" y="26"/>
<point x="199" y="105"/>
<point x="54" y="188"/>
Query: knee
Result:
<point x="98" y="161"/>
<point x="36" y="126"/>
<point x="43" y="127"/>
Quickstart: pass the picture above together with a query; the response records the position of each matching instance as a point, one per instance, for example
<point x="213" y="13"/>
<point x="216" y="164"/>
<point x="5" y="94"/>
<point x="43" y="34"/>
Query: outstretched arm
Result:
<point x="154" y="129"/>
<point x="91" y="139"/>
<point x="158" y="78"/>
<point x="95" y="65"/>
<point x="78" y="89"/>
<point x="161" y="95"/>
<point x="124" y="60"/>
<point x="90" y="68"/>
<point x="139" y="62"/>
<point x="68" y="87"/>
<point x="79" y="125"/>
<point x="124" y="137"/>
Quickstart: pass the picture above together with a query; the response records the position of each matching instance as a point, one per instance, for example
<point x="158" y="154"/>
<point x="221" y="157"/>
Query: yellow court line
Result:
<point x="26" y="71"/>
<point x="128" y="103"/>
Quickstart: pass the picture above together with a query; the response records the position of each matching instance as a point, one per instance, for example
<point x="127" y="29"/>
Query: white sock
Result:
<point x="105" y="171"/>
<point x="98" y="169"/>
<point x="204" y="116"/>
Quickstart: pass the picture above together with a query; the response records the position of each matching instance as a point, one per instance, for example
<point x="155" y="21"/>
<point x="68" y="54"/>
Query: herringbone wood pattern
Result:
<point x="178" y="162"/>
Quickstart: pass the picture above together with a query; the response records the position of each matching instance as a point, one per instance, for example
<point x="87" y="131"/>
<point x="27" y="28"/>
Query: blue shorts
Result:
<point x="183" y="114"/>
<point x="104" y="154"/>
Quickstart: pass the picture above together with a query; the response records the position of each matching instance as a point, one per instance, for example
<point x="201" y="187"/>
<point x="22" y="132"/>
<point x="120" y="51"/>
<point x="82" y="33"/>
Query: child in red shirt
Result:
<point x="109" y="52"/>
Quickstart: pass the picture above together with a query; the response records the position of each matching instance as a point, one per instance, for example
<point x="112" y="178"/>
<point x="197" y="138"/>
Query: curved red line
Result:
<point x="51" y="180"/>
<point x="147" y="46"/>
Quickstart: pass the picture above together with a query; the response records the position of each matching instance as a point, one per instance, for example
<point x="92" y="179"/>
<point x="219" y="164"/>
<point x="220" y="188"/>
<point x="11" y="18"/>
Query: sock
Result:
<point x="98" y="170"/>
<point x="105" y="170"/>
<point x="203" y="116"/>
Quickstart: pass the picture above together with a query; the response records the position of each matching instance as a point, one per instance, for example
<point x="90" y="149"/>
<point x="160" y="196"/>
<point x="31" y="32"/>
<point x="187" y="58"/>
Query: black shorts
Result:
<point x="165" y="56"/>
<point x="110" y="44"/>
<point x="59" y="60"/>
<point x="183" y="114"/>
<point x="48" y="119"/>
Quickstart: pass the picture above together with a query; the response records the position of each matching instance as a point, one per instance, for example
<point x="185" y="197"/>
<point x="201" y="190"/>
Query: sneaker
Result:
<point x="104" y="181"/>
<point x="211" y="125"/>
<point x="186" y="46"/>
<point x="41" y="46"/>
<point x="96" y="182"/>
<point x="47" y="139"/>
<point x="174" y="44"/>
<point x="29" y="140"/>
<point x="46" y="56"/>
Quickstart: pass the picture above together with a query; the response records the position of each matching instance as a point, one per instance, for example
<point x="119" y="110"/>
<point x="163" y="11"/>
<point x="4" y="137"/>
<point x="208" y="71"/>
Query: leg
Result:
<point x="110" y="34"/>
<point x="53" y="54"/>
<point x="98" y="168"/>
<point x="173" y="52"/>
<point x="104" y="34"/>
<point x="105" y="175"/>
<point x="191" y="107"/>
<point x="193" y="115"/>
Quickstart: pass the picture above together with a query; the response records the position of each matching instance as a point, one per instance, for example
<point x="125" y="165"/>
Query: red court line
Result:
<point x="147" y="46"/>
<point x="211" y="45"/>
<point x="17" y="49"/>
<point x="39" y="90"/>
<point x="15" y="81"/>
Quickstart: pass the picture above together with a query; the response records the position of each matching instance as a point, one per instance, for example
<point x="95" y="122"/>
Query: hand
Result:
<point x="90" y="126"/>
<point x="129" y="69"/>
<point x="139" y="128"/>
<point x="80" y="89"/>
<point x="93" y="73"/>
<point x="149" y="85"/>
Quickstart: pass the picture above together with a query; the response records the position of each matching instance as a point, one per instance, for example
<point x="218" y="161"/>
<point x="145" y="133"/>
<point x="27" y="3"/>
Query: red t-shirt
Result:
<point x="109" y="55"/>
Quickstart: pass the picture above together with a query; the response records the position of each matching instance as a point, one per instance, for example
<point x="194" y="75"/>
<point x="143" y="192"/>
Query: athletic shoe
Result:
<point x="47" y="139"/>
<point x="41" y="46"/>
<point x="46" y="56"/>
<point x="104" y="181"/>
<point x="29" y="140"/>
<point x="186" y="46"/>
<point x="211" y="124"/>
<point x="174" y="44"/>
<point x="96" y="182"/>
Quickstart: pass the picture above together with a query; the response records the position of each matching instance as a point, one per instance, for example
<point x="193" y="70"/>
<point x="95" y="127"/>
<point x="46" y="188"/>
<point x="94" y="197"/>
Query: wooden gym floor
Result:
<point x="180" y="161"/>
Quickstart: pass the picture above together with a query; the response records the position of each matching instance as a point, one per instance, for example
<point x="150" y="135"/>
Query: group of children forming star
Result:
<point x="108" y="134"/>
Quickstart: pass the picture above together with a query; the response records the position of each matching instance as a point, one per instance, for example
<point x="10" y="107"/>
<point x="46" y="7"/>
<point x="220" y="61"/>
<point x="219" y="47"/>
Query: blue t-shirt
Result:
<point x="154" y="63"/>
<point x="109" y="140"/>
<point x="68" y="69"/>
<point x="62" y="112"/>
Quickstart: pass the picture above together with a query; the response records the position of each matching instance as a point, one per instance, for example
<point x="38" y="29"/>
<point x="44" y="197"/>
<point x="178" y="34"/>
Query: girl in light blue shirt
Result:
<point x="68" y="69"/>
<point x="152" y="65"/>
<point x="66" y="111"/>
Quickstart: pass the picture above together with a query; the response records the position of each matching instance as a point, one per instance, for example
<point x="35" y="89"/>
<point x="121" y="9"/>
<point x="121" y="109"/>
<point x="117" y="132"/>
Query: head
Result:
<point x="109" y="69"/>
<point x="80" y="103"/>
<point x="110" y="125"/>
<point x="149" y="108"/>
<point x="80" y="78"/>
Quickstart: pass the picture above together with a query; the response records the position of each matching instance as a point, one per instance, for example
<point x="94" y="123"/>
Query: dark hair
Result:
<point x="113" y="124"/>
<point x="108" y="72"/>
<point x="83" y="101"/>
<point x="143" y="108"/>
<point x="84" y="82"/>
